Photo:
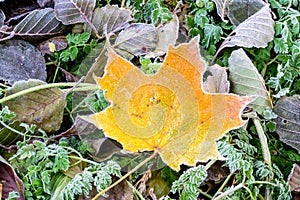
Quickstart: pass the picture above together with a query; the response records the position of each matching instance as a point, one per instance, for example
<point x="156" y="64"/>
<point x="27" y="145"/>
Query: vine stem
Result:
<point x="41" y="87"/>
<point x="263" y="140"/>
<point x="126" y="175"/>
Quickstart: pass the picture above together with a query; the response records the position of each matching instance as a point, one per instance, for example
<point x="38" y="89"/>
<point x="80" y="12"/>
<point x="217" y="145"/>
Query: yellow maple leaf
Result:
<point x="167" y="112"/>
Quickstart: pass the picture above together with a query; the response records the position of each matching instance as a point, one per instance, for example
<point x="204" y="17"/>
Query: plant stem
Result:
<point x="230" y="191"/>
<point x="41" y="87"/>
<point x="126" y="175"/>
<point x="223" y="184"/>
<point x="263" y="141"/>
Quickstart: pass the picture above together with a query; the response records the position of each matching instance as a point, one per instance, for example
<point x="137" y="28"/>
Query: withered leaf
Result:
<point x="74" y="11"/>
<point x="137" y="39"/>
<point x="8" y="137"/>
<point x="39" y="24"/>
<point x="43" y="107"/>
<point x="113" y="17"/>
<point x="2" y="17"/>
<point x="93" y="63"/>
<point x="246" y="80"/>
<point x="221" y="6"/>
<point x="167" y="112"/>
<point x="59" y="42"/>
<point x="256" y="31"/>
<point x="240" y="10"/>
<point x="19" y="60"/>
<point x="10" y="181"/>
<point x="216" y="80"/>
<point x="167" y="35"/>
<point x="294" y="178"/>
<point x="288" y="120"/>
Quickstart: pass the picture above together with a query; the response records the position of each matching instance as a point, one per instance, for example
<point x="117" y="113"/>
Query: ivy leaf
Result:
<point x="256" y="31"/>
<point x="246" y="80"/>
<point x="74" y="11"/>
<point x="167" y="112"/>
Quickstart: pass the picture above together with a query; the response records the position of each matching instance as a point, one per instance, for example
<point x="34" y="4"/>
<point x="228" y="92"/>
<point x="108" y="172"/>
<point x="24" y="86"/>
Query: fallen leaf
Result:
<point x="58" y="43"/>
<point x="167" y="112"/>
<point x="216" y="80"/>
<point x="44" y="3"/>
<point x="43" y="107"/>
<point x="221" y="6"/>
<point x="58" y="183"/>
<point x="2" y="18"/>
<point x="122" y="191"/>
<point x="167" y="35"/>
<point x="137" y="39"/>
<point x="74" y="11"/>
<point x="113" y="17"/>
<point x="39" y="24"/>
<point x="19" y="60"/>
<point x="288" y="120"/>
<point x="294" y="178"/>
<point x="159" y="185"/>
<point x="256" y="31"/>
<point x="246" y="80"/>
<point x="10" y="181"/>
<point x="240" y="10"/>
<point x="8" y="137"/>
<point x="94" y="63"/>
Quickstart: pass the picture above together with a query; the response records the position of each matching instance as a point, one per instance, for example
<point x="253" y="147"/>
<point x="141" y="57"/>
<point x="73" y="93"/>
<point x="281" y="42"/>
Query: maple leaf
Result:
<point x="167" y="112"/>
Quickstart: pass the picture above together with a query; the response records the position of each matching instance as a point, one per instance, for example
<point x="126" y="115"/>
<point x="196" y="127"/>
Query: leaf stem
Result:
<point x="45" y="86"/>
<point x="263" y="140"/>
<point x="126" y="175"/>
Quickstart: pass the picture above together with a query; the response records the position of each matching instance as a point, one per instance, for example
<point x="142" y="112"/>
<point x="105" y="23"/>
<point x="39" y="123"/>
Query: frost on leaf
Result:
<point x="167" y="112"/>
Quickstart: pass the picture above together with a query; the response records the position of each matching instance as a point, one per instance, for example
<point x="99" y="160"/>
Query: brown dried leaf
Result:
<point x="10" y="181"/>
<point x="256" y="31"/>
<point x="221" y="6"/>
<point x="240" y="10"/>
<point x="294" y="178"/>
<point x="74" y="11"/>
<point x="59" y="43"/>
<point x="43" y="107"/>
<point x="288" y="120"/>
<point x="137" y="39"/>
<point x="19" y="60"/>
<point x="167" y="36"/>
<point x="113" y="17"/>
<point x="216" y="81"/>
<point x="39" y="24"/>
